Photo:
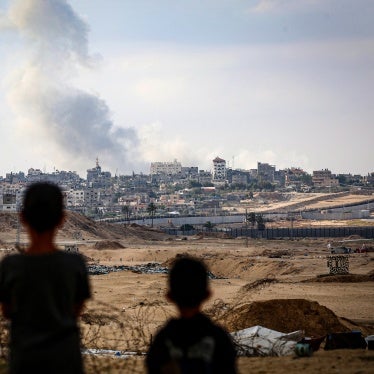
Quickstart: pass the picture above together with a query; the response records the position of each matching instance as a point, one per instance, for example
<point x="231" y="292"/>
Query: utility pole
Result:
<point x="18" y="234"/>
<point x="246" y="228"/>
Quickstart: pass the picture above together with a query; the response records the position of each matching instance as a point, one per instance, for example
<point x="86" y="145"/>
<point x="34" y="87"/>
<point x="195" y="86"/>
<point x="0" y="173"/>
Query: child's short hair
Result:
<point x="43" y="206"/>
<point x="188" y="282"/>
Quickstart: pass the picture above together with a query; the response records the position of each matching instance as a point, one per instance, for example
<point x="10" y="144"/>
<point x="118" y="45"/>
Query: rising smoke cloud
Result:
<point x="77" y="122"/>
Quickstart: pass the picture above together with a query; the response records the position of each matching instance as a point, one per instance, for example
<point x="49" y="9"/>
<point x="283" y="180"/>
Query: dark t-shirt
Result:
<point x="193" y="345"/>
<point x="42" y="292"/>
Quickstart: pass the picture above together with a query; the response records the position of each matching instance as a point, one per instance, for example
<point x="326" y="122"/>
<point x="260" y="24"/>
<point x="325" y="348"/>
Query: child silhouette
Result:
<point x="191" y="343"/>
<point x="42" y="291"/>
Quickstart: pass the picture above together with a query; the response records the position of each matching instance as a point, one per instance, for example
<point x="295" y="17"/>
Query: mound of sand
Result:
<point x="277" y="253"/>
<point x="343" y="278"/>
<point x="258" y="284"/>
<point x="102" y="230"/>
<point x="88" y="228"/>
<point x="108" y="244"/>
<point x="285" y="316"/>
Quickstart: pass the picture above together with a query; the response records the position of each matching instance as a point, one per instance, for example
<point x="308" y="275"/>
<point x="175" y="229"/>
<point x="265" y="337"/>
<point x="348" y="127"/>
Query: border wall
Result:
<point x="278" y="233"/>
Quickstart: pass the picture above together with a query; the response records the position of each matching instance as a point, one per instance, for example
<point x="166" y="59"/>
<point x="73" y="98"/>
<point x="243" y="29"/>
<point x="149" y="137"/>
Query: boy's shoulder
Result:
<point x="70" y="258"/>
<point x="197" y="340"/>
<point x="75" y="256"/>
<point x="201" y="323"/>
<point x="11" y="258"/>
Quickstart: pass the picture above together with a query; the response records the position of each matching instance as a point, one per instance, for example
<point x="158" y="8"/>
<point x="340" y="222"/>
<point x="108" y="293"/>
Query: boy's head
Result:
<point x="188" y="282"/>
<point x="43" y="207"/>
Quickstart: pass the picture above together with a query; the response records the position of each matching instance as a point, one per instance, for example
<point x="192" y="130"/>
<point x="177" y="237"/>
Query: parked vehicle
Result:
<point x="341" y="250"/>
<point x="364" y="249"/>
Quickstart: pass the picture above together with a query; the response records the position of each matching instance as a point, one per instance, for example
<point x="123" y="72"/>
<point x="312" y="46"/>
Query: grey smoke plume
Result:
<point x="77" y="121"/>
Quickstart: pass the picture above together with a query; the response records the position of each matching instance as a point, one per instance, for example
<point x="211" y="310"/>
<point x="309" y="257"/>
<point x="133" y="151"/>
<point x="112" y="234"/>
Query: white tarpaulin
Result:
<point x="260" y="341"/>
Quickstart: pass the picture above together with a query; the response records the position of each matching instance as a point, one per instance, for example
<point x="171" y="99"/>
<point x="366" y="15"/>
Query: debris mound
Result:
<point x="150" y="268"/>
<point x="8" y="221"/>
<point x="285" y="315"/>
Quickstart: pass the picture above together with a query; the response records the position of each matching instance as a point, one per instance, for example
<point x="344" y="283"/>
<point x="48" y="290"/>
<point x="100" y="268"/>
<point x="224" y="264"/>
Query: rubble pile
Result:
<point x="150" y="268"/>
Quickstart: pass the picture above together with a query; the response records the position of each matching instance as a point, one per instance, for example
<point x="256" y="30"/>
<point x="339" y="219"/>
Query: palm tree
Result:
<point x="209" y="225"/>
<point x="252" y="219"/>
<point x="151" y="209"/>
<point x="260" y="222"/>
<point x="127" y="212"/>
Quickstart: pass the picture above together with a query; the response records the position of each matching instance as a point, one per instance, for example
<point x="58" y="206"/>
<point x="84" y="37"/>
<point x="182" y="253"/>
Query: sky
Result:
<point x="286" y="82"/>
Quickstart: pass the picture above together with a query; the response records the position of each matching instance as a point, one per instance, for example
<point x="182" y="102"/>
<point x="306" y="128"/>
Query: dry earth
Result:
<point x="250" y="276"/>
<point x="277" y="284"/>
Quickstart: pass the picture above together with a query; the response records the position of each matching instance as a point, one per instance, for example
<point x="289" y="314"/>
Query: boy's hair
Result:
<point x="188" y="282"/>
<point x="43" y="206"/>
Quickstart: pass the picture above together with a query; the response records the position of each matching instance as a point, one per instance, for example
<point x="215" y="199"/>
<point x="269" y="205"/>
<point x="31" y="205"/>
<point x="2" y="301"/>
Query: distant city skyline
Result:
<point x="147" y="172"/>
<point x="284" y="82"/>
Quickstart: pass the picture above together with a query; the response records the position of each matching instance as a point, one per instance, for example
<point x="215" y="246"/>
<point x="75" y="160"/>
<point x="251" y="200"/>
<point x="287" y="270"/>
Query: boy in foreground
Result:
<point x="42" y="291"/>
<point x="191" y="343"/>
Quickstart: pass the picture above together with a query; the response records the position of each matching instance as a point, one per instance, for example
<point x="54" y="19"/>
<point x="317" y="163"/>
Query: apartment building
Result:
<point x="10" y="197"/>
<point x="190" y="172"/>
<point x="74" y="198"/>
<point x="238" y="176"/>
<point x="168" y="168"/>
<point x="219" y="170"/>
<point x="8" y="202"/>
<point x="91" y="197"/>
<point x="265" y="172"/>
<point x="205" y="177"/>
<point x="324" y="178"/>
<point x="14" y="178"/>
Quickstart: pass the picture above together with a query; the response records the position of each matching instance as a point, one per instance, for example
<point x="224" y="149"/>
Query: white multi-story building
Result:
<point x="168" y="168"/>
<point x="219" y="170"/>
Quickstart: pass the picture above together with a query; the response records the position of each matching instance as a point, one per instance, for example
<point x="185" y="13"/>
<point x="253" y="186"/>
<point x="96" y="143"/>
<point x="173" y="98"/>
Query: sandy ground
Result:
<point x="127" y="307"/>
<point x="239" y="265"/>
<point x="137" y="297"/>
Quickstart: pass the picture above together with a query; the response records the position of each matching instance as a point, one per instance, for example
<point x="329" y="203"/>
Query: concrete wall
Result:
<point x="356" y="214"/>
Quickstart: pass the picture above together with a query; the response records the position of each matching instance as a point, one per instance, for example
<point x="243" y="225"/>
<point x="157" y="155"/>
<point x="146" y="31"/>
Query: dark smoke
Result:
<point x="78" y="122"/>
